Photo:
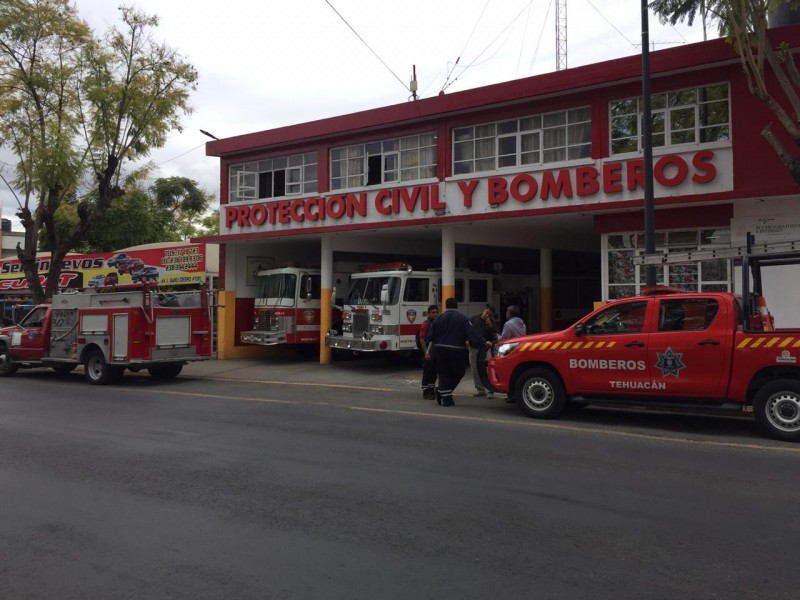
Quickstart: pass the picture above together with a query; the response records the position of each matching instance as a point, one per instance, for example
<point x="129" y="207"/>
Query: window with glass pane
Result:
<point x="274" y="177"/>
<point x="401" y="159"/>
<point x="537" y="139"/>
<point x="696" y="115"/>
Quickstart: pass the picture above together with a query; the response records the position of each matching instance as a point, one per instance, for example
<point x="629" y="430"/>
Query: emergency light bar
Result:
<point x="391" y="266"/>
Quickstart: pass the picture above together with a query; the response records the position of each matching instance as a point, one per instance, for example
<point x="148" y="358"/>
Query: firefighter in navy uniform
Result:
<point x="447" y="341"/>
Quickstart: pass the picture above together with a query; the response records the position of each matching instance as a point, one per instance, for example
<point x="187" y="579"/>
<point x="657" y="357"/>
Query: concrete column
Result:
<point x="546" y="288"/>
<point x="448" y="265"/>
<point x="325" y="298"/>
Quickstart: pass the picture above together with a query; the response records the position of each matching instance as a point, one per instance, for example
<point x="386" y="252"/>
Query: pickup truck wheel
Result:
<point x="165" y="372"/>
<point x="541" y="394"/>
<point x="98" y="372"/>
<point x="777" y="409"/>
<point x="7" y="368"/>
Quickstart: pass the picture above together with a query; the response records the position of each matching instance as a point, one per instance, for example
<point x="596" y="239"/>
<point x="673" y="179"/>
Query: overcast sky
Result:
<point x="266" y="64"/>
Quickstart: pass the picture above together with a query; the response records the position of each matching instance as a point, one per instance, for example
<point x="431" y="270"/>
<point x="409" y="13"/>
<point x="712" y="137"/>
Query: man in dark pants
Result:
<point x="428" y="362"/>
<point x="447" y="337"/>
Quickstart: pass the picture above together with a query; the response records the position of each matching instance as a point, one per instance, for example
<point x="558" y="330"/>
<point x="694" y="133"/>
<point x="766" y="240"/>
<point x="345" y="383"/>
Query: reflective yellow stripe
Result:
<point x="566" y="345"/>
<point x="525" y="345"/>
<point x="555" y="345"/>
<point x="758" y="342"/>
<point x="588" y="345"/>
<point x="744" y="342"/>
<point x="545" y="345"/>
<point x="786" y="342"/>
<point x="772" y="342"/>
<point x="796" y="344"/>
<point x="600" y="344"/>
<point x="610" y="344"/>
<point x="577" y="345"/>
<point x="534" y="345"/>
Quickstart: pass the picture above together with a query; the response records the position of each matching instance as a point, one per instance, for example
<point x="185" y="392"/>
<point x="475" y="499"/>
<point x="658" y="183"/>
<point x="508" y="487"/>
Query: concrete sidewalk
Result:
<point x="368" y="372"/>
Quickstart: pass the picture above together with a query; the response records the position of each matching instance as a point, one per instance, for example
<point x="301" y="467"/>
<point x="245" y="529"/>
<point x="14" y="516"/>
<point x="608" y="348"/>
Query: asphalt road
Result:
<point x="222" y="488"/>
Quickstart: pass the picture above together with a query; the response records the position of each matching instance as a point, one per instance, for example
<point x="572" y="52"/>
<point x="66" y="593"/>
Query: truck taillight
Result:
<point x="347" y="315"/>
<point x="376" y="316"/>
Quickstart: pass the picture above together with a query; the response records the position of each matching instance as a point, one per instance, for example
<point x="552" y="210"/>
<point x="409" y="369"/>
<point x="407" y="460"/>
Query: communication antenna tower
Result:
<point x="561" y="34"/>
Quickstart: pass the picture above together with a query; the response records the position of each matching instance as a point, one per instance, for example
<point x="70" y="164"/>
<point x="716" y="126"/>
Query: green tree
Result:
<point x="171" y="209"/>
<point x="762" y="54"/>
<point x="73" y="108"/>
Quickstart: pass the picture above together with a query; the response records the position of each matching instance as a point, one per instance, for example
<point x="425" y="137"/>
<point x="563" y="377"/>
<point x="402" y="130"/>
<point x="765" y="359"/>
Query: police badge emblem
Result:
<point x="411" y="315"/>
<point x="670" y="363"/>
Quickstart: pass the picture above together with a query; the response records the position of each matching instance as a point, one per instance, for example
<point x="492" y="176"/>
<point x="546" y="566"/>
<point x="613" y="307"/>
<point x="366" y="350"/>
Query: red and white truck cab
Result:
<point x="387" y="303"/>
<point x="710" y="350"/>
<point x="287" y="308"/>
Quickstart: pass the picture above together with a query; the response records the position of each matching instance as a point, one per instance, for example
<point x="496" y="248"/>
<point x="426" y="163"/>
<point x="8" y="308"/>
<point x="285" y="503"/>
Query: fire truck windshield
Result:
<point x="278" y="285"/>
<point x="367" y="290"/>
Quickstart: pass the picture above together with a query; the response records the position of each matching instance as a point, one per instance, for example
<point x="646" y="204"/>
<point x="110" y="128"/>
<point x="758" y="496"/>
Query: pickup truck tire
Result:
<point x="98" y="372"/>
<point x="540" y="393"/>
<point x="776" y="409"/>
<point x="7" y="368"/>
<point x="165" y="372"/>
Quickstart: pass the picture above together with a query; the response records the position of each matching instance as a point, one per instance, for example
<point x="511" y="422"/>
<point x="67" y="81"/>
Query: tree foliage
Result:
<point x="172" y="209"/>
<point x="745" y="24"/>
<point x="74" y="107"/>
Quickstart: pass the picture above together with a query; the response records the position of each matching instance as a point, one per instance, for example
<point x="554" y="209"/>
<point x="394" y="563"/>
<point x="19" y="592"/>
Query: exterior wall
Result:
<point x="708" y="185"/>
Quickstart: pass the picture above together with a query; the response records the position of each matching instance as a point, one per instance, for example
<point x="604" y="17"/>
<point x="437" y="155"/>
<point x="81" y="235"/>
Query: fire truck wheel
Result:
<point x="540" y="393"/>
<point x="777" y="409"/>
<point x="165" y="372"/>
<point x="97" y="371"/>
<point x="64" y="369"/>
<point x="7" y="368"/>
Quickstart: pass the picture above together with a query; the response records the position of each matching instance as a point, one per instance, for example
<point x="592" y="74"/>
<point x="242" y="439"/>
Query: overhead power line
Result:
<point x="614" y="27"/>
<point x="405" y="86"/>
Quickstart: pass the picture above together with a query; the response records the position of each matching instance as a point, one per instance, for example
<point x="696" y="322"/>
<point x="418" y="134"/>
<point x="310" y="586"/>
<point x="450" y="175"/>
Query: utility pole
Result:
<point x="647" y="149"/>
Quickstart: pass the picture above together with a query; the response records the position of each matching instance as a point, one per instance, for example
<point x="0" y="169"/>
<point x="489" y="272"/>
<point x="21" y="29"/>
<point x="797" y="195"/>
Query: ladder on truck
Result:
<point x="751" y="249"/>
<point x="753" y="256"/>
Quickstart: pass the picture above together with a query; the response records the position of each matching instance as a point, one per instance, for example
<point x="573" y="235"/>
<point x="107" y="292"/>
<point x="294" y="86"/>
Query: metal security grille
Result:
<point x="265" y="321"/>
<point x="360" y="322"/>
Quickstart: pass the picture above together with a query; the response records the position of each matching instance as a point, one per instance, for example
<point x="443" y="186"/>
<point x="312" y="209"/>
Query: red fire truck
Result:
<point x="287" y="308"/>
<point x="109" y="331"/>
<point x="387" y="304"/>
<point x="668" y="349"/>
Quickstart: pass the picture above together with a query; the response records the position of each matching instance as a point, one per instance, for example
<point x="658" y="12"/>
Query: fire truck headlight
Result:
<point x="505" y="349"/>
<point x="378" y="329"/>
<point x="348" y="327"/>
<point x="376" y="316"/>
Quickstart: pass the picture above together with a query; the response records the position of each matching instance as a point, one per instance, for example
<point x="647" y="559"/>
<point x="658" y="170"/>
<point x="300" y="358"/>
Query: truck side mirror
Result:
<point x="385" y="293"/>
<point x="309" y="285"/>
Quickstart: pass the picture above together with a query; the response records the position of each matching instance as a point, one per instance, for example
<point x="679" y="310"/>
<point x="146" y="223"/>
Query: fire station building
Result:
<point x="538" y="181"/>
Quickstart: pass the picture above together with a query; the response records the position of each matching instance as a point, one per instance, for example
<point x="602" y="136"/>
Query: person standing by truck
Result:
<point x="485" y="324"/>
<point x="447" y="338"/>
<point x="428" y="361"/>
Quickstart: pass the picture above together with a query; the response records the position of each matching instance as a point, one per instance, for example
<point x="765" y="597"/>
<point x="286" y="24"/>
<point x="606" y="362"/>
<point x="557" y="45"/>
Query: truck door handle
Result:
<point x="708" y="343"/>
<point x="634" y="345"/>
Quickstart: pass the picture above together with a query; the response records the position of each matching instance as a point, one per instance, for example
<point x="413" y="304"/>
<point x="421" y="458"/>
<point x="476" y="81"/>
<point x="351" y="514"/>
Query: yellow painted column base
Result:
<point x="326" y="312"/>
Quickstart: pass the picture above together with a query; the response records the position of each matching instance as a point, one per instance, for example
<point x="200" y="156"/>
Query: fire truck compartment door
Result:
<point x="120" y="345"/>
<point x="173" y="331"/>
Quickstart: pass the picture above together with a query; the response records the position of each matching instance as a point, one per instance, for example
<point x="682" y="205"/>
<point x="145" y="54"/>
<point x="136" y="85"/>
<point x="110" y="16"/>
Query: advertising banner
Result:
<point x="177" y="265"/>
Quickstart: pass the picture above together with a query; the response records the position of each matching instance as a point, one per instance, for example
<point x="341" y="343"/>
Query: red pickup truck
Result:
<point x="712" y="350"/>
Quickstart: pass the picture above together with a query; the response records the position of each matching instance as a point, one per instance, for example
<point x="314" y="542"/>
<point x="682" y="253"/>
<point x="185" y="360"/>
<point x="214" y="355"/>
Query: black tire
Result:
<point x="540" y="394"/>
<point x="166" y="372"/>
<point x="776" y="409"/>
<point x="7" y="368"/>
<point x="97" y="371"/>
<point x="64" y="369"/>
